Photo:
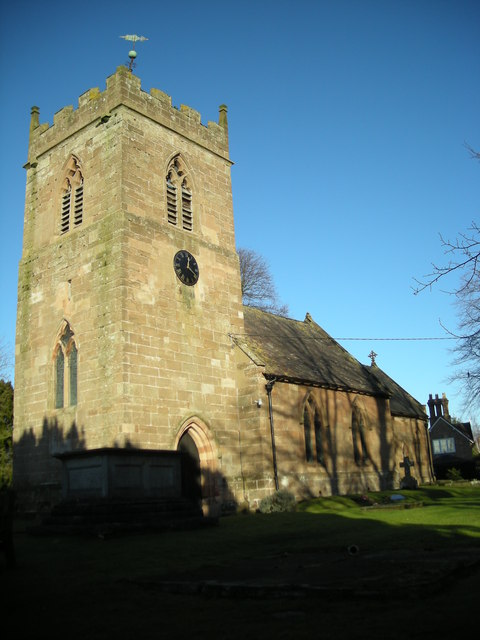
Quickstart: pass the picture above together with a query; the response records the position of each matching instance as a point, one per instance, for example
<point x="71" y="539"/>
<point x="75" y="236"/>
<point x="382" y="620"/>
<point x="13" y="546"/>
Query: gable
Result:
<point x="442" y="427"/>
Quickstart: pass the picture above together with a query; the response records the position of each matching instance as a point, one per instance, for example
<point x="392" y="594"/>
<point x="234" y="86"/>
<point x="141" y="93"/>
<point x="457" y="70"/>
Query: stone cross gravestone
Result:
<point x="408" y="481"/>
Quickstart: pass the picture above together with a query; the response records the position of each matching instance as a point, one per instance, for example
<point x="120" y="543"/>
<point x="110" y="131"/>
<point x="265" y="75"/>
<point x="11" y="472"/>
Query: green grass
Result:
<point x="89" y="587"/>
<point x="447" y="512"/>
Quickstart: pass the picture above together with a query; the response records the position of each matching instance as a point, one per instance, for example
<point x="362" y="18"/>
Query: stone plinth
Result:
<point x="121" y="473"/>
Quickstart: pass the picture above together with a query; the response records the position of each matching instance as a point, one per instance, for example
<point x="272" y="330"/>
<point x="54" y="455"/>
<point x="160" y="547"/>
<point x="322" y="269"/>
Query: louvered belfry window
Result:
<point x="187" y="220"/>
<point x="171" y="202"/>
<point x="72" y="197"/>
<point x="66" y="373"/>
<point x="179" y="195"/>
<point x="65" y="221"/>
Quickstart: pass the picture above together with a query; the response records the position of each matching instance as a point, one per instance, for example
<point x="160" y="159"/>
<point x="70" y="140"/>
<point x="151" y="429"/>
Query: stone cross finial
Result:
<point x="372" y="355"/>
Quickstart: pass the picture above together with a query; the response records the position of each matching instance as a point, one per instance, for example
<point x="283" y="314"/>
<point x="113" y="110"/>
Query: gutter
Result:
<point x="269" y="387"/>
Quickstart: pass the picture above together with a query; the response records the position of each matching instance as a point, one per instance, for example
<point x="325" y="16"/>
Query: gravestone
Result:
<point x="408" y="481"/>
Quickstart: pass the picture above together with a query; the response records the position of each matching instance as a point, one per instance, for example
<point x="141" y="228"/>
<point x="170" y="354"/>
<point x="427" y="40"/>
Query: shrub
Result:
<point x="454" y="474"/>
<point x="278" y="501"/>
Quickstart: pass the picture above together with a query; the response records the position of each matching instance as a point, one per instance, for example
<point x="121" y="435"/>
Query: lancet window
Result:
<point x="179" y="195"/>
<point x="71" y="214"/>
<point x="314" y="433"/>
<point x="360" y="451"/>
<point x="65" y="369"/>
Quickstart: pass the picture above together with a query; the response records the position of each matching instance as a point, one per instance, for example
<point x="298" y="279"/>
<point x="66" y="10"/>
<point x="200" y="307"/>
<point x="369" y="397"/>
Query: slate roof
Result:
<point x="401" y="402"/>
<point x="303" y="353"/>
<point x="463" y="428"/>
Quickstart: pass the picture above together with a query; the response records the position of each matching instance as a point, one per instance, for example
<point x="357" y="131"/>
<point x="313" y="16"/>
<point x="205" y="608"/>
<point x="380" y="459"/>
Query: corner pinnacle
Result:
<point x="34" y="118"/>
<point x="222" y="116"/>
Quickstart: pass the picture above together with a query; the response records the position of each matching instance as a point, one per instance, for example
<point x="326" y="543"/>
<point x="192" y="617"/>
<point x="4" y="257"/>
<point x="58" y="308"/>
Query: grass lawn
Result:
<point x="109" y="588"/>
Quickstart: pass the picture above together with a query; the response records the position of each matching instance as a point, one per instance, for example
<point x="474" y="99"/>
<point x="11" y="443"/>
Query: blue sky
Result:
<point x="348" y="121"/>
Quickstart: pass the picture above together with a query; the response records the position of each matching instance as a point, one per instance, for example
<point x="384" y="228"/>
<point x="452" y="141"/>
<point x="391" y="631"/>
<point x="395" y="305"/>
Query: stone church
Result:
<point x="134" y="352"/>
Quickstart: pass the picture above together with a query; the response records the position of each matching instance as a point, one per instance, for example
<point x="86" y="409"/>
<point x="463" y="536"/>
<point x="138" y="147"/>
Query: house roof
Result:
<point x="401" y="402"/>
<point x="463" y="428"/>
<point x="303" y="353"/>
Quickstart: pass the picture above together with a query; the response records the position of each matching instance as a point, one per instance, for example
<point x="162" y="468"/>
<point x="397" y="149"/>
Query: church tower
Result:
<point x="129" y="286"/>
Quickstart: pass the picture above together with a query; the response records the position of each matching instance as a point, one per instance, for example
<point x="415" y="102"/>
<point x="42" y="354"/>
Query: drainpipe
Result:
<point x="430" y="453"/>
<point x="269" y="387"/>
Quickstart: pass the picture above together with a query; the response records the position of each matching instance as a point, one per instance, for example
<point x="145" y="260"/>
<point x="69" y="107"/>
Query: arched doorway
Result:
<point x="191" y="477"/>
<point x="200" y="476"/>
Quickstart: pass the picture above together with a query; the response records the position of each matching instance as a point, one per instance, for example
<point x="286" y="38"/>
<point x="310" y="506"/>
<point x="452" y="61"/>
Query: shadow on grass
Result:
<point x="109" y="588"/>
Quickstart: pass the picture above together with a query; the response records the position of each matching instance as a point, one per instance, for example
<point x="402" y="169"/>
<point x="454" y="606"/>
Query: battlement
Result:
<point x="124" y="89"/>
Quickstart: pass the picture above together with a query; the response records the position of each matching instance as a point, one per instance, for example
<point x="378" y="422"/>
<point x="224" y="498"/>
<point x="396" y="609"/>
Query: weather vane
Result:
<point x="132" y="54"/>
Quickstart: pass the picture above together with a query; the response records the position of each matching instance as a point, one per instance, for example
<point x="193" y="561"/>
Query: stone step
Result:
<point x="106" y="517"/>
<point x="97" y="506"/>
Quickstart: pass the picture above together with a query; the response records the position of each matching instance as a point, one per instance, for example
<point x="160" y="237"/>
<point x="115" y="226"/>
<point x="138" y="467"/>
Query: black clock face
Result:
<point x="186" y="267"/>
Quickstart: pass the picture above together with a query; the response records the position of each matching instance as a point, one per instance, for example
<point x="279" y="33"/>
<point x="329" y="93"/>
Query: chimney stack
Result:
<point x="438" y="407"/>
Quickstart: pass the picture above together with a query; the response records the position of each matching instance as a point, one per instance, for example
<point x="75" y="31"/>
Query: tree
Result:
<point x="258" y="288"/>
<point x="463" y="257"/>
<point x="5" y="359"/>
<point x="6" y="431"/>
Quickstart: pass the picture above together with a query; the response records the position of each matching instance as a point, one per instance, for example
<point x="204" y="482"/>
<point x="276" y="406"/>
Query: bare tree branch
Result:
<point x="466" y="252"/>
<point x="463" y="257"/>
<point x="475" y="155"/>
<point x="258" y="288"/>
<point x="467" y="348"/>
<point x="6" y="360"/>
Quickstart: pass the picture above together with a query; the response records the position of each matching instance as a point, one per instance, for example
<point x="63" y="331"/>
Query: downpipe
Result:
<point x="269" y="387"/>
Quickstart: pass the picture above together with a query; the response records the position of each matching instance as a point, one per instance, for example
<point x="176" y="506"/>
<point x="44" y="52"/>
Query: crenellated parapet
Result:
<point x="124" y="89"/>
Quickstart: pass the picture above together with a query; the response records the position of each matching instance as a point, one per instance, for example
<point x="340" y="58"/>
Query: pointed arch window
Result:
<point x="72" y="368"/>
<point x="313" y="431"/>
<point x="66" y="359"/>
<point x="179" y="195"/>
<point x="71" y="214"/>
<point x="59" y="379"/>
<point x="360" y="451"/>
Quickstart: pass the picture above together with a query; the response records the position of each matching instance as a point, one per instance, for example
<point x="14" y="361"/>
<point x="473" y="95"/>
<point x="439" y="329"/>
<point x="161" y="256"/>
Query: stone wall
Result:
<point x="153" y="354"/>
<point x="387" y="440"/>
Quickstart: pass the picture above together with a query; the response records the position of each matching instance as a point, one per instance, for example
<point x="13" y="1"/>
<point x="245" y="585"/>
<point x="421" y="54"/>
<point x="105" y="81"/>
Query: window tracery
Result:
<point x="71" y="214"/>
<point x="65" y="369"/>
<point x="179" y="195"/>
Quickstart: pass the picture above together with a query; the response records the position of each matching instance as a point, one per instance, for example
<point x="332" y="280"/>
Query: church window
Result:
<point x="360" y="452"/>
<point x="313" y="431"/>
<point x="71" y="214"/>
<point x="171" y="202"/>
<point x="59" y="379"/>
<point x="66" y="358"/>
<point x="179" y="196"/>
<point x="72" y="367"/>
<point x="187" y="221"/>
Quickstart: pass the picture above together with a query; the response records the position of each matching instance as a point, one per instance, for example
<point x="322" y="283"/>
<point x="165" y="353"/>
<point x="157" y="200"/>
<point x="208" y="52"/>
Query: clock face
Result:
<point x="186" y="267"/>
